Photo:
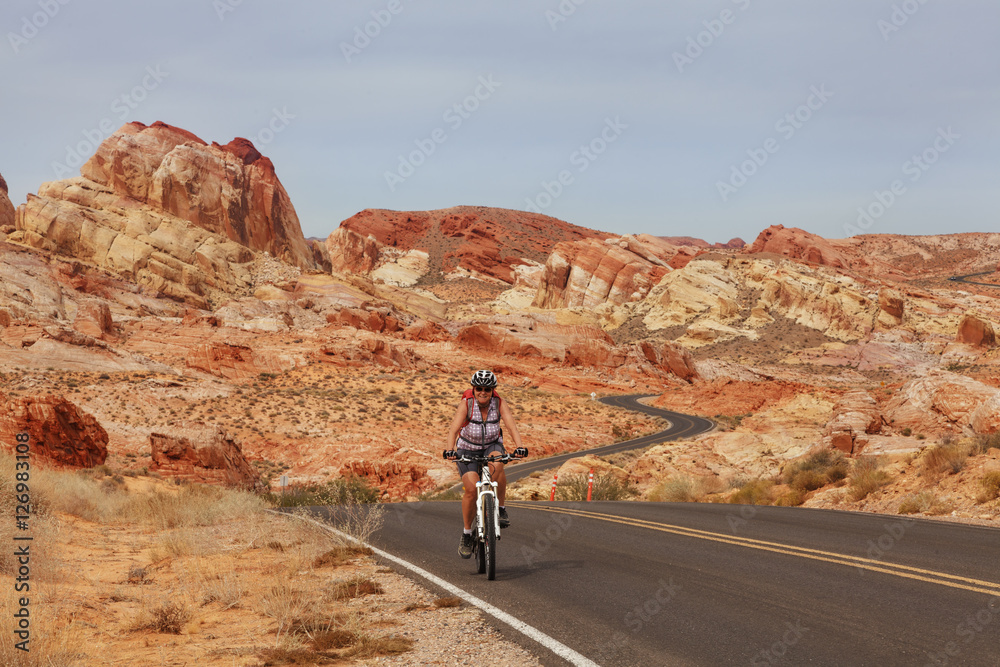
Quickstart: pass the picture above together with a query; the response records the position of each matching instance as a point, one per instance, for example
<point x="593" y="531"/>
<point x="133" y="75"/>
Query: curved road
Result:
<point x="708" y="584"/>
<point x="681" y="426"/>
<point x="963" y="279"/>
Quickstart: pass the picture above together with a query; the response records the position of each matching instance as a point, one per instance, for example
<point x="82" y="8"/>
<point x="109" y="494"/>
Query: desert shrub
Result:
<point x="984" y="442"/>
<point x="793" y="498"/>
<point x="355" y="587"/>
<point x="340" y="491"/>
<point x="606" y="487"/>
<point x="168" y="617"/>
<point x="925" y="502"/>
<point x="866" y="476"/>
<point x="754" y="492"/>
<point x="816" y="470"/>
<point x="990" y="487"/>
<point x="948" y="459"/>
<point x="680" y="489"/>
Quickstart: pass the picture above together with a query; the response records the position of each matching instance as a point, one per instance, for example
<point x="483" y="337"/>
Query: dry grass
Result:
<point x="606" y="487"/>
<point x="185" y="553"/>
<point x="866" y="477"/>
<point x="989" y="487"/>
<point x="355" y="587"/>
<point x="754" y="492"/>
<point x="680" y="489"/>
<point x="450" y="601"/>
<point x="925" y="502"/>
<point x="815" y="470"/>
<point x="945" y="458"/>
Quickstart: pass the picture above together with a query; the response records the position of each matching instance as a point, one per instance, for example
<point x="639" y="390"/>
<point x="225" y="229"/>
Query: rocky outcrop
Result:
<point x="975" y="331"/>
<point x="234" y="361"/>
<point x="159" y="207"/>
<point x="855" y="416"/>
<point x="204" y="454"/>
<point x="58" y="431"/>
<point x="476" y="242"/>
<point x="798" y="244"/>
<point x="891" y="307"/>
<point x="377" y="320"/>
<point x="84" y="220"/>
<point x="732" y="244"/>
<point x="592" y="272"/>
<point x="230" y="190"/>
<point x="93" y="318"/>
<point x="580" y="346"/>
<point x="986" y="417"/>
<point x="937" y="402"/>
<point x="6" y="208"/>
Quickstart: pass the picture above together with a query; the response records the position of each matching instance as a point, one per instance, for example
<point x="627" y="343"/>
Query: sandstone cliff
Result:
<point x="591" y="272"/>
<point x="427" y="247"/>
<point x="6" y="209"/>
<point x="159" y="207"/>
<point x="231" y="190"/>
<point x="205" y="454"/>
<point x="58" y="432"/>
<point x="798" y="244"/>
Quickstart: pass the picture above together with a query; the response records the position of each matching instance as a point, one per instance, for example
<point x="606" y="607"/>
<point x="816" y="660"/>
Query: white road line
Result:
<point x="553" y="645"/>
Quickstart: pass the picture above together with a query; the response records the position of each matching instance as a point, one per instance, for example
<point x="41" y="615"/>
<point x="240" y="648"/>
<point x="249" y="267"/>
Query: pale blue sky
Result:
<point x="673" y="130"/>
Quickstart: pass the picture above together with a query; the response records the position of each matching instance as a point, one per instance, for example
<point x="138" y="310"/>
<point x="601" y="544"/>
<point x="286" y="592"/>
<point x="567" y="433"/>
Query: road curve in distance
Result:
<point x="681" y="426"/>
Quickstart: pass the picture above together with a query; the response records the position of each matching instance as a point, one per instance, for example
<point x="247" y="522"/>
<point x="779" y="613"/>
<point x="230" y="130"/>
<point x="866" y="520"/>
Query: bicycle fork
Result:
<point x="483" y="489"/>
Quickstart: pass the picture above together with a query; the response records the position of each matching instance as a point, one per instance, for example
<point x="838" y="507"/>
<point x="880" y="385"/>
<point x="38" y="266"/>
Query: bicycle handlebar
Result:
<point x="519" y="453"/>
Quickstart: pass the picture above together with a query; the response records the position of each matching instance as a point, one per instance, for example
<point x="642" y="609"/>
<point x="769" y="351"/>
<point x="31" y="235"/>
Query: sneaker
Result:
<point x="504" y="519"/>
<point x="465" y="546"/>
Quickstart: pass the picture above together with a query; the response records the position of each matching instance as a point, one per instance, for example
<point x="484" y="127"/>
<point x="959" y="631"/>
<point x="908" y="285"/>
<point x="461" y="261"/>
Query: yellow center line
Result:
<point x="977" y="585"/>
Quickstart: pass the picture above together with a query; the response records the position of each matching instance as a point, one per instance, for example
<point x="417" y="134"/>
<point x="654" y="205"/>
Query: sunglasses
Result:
<point x="482" y="389"/>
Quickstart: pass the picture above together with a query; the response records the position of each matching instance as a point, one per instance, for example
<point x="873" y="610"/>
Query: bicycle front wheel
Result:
<point x="490" y="541"/>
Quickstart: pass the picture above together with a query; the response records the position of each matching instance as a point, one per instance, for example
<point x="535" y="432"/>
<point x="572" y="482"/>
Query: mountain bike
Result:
<point x="486" y="524"/>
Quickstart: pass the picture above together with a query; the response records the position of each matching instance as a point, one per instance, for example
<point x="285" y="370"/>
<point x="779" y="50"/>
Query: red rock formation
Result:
<point x="699" y="243"/>
<point x="93" y="318"/>
<point x="377" y="320"/>
<point x="389" y="470"/>
<point x="798" y="244"/>
<point x="234" y="361"/>
<point x="369" y="351"/>
<point x="591" y="272"/>
<point x="670" y="356"/>
<point x="986" y="417"/>
<point x="425" y="331"/>
<point x="230" y="190"/>
<point x="975" y="331"/>
<point x="891" y="304"/>
<point x="855" y="416"/>
<point x="204" y="454"/>
<point x="6" y="208"/>
<point x="59" y="432"/>
<point x="937" y="402"/>
<point x="481" y="240"/>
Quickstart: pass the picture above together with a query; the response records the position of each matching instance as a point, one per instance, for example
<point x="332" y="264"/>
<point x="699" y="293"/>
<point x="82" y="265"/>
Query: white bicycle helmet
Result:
<point x="484" y="378"/>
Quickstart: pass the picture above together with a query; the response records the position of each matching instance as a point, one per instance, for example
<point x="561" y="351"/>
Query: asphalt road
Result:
<point x="965" y="279"/>
<point x="681" y="426"/>
<point x="701" y="584"/>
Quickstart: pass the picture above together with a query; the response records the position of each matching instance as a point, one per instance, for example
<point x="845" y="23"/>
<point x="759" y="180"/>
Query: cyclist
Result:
<point x="475" y="429"/>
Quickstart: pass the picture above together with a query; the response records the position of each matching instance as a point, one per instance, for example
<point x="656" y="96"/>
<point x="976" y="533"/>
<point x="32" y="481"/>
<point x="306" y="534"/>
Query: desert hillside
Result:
<point x="162" y="312"/>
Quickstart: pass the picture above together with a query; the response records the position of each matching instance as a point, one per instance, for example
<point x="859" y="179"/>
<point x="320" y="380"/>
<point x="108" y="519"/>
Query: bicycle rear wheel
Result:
<point x="490" y="542"/>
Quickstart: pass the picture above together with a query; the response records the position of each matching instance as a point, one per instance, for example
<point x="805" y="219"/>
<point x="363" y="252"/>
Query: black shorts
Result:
<point x="471" y="467"/>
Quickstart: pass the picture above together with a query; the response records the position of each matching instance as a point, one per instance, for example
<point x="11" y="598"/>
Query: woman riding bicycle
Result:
<point x="475" y="429"/>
